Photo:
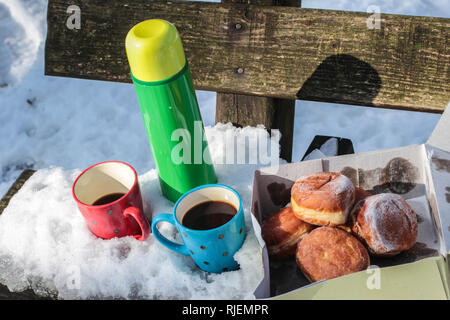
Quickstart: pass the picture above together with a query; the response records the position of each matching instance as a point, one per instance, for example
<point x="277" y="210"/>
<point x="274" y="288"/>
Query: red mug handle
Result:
<point x="141" y="220"/>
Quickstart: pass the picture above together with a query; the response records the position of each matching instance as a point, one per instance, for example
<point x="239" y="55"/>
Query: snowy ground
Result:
<point x="55" y="253"/>
<point x="71" y="123"/>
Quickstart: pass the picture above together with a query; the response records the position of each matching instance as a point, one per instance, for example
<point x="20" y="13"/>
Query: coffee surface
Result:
<point x="208" y="215"/>
<point x="108" y="198"/>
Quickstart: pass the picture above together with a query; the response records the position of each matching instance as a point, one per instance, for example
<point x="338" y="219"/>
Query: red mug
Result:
<point x="118" y="218"/>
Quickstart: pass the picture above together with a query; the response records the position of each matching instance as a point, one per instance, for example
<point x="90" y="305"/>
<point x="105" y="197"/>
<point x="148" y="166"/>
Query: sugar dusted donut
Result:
<point x="361" y="194"/>
<point x="323" y="198"/>
<point x="282" y="230"/>
<point x="327" y="253"/>
<point x="386" y="223"/>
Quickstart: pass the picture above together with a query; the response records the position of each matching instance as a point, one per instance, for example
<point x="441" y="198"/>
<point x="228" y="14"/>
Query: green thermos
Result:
<point x="169" y="107"/>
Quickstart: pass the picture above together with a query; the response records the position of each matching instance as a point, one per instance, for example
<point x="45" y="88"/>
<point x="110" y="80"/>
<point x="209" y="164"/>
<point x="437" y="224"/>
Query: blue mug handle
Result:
<point x="180" y="248"/>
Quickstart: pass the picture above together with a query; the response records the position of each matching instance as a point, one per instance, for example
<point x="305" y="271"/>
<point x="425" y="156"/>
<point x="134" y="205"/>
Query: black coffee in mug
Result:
<point x="208" y="215"/>
<point x="108" y="198"/>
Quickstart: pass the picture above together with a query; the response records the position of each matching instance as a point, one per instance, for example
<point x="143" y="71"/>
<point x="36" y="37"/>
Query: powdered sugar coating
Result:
<point x="331" y="186"/>
<point x="386" y="222"/>
<point x="338" y="182"/>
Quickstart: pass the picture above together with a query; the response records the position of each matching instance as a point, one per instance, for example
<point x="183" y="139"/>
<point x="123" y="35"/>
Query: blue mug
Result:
<point x="211" y="249"/>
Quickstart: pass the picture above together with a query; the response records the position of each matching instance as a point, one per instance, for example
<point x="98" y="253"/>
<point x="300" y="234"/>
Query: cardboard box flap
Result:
<point x="439" y="172"/>
<point x="400" y="170"/>
<point x="440" y="137"/>
<point x="419" y="280"/>
<point x="273" y="191"/>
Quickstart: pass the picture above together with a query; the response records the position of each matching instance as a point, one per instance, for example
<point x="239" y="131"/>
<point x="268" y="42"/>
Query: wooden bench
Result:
<point x="262" y="55"/>
<point x="260" y="58"/>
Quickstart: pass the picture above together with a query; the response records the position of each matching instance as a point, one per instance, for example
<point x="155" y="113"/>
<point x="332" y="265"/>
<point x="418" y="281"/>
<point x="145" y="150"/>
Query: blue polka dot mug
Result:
<point x="211" y="249"/>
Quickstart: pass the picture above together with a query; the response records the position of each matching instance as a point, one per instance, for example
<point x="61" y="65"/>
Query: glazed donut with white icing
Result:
<point x="323" y="198"/>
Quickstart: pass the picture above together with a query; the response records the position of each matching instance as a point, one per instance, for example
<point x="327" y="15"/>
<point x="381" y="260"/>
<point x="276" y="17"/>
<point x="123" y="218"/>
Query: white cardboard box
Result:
<point x="420" y="174"/>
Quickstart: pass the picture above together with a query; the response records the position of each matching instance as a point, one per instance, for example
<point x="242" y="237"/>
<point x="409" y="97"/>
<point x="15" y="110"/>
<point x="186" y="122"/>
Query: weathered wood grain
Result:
<point x="246" y="110"/>
<point x="282" y="52"/>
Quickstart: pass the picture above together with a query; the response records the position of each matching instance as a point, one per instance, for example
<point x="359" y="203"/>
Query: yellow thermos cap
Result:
<point x="154" y="50"/>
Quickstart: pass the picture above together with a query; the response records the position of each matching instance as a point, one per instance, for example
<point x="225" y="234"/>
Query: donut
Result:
<point x="345" y="227"/>
<point x="361" y="194"/>
<point x="385" y="223"/>
<point x="328" y="252"/>
<point x="281" y="231"/>
<point x="323" y="198"/>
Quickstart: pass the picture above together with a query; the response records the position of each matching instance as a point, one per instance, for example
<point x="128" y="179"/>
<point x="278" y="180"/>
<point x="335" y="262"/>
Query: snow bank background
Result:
<point x="72" y="123"/>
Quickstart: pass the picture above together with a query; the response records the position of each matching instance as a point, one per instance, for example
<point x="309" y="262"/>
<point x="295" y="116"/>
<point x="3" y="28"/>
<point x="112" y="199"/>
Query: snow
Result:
<point x="328" y="149"/>
<point x="315" y="154"/>
<point x="62" y="125"/>
<point x="55" y="251"/>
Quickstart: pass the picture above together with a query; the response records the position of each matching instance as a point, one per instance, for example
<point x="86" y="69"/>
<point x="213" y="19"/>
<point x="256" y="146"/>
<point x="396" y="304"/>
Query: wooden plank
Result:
<point x="246" y="110"/>
<point x="5" y="294"/>
<point x="290" y="53"/>
<point x="283" y="120"/>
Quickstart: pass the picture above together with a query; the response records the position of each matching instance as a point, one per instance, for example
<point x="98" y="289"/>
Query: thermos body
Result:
<point x="169" y="108"/>
<point x="166" y="108"/>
